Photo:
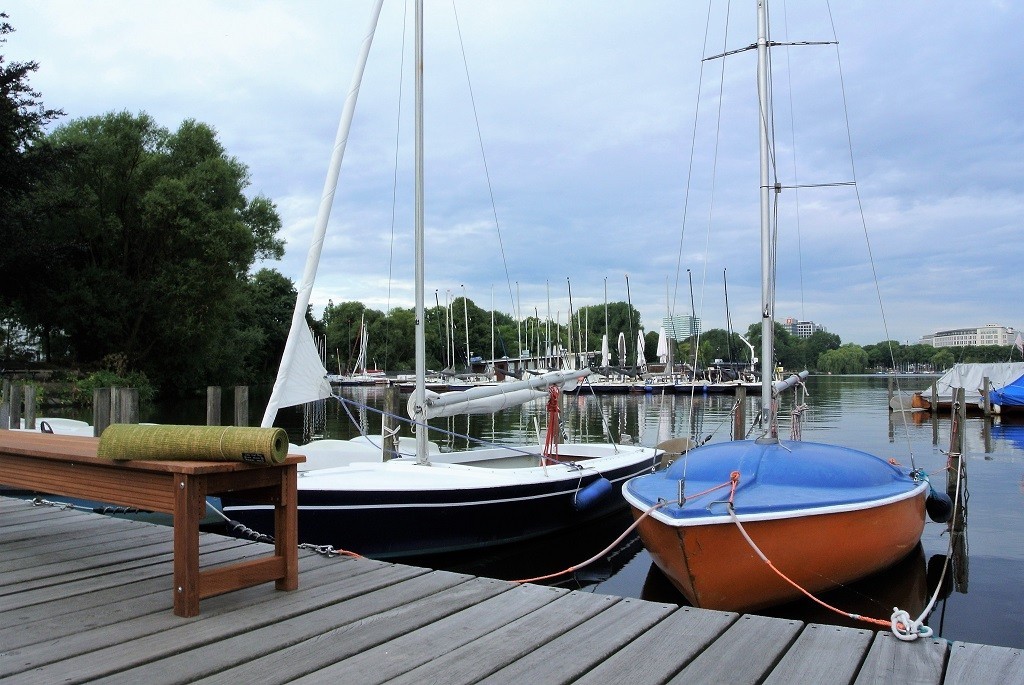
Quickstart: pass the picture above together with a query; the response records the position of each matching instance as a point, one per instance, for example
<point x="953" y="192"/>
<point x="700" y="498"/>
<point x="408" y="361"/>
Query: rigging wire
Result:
<point x="483" y="156"/>
<point x="394" y="185"/>
<point x="867" y="237"/>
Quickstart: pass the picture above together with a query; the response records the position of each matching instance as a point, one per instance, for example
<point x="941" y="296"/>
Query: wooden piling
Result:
<point x="128" y="405"/>
<point x="986" y="404"/>
<point x="241" y="405"/>
<point x="389" y="434"/>
<point x="15" y="400"/>
<point x="100" y="410"/>
<point x="30" y="407"/>
<point x="213" y="400"/>
<point x="739" y="417"/>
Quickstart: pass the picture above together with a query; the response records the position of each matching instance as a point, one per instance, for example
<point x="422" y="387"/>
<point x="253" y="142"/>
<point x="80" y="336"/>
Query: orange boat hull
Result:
<point x="715" y="568"/>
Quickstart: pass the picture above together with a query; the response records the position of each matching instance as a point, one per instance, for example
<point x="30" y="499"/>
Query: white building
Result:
<point x="989" y="334"/>
<point x="802" y="329"/>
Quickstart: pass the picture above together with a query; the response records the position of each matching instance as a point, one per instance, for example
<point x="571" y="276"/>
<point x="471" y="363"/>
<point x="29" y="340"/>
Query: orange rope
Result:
<point x="600" y="554"/>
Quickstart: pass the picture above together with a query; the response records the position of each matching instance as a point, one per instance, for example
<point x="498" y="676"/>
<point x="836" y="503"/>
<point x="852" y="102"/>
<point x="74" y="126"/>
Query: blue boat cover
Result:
<point x="1010" y="395"/>
<point x="774" y="479"/>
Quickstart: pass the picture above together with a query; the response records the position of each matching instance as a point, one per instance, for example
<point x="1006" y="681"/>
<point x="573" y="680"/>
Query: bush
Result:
<point x="110" y="379"/>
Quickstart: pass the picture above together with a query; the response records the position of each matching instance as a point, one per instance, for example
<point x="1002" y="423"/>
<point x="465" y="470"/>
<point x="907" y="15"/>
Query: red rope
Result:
<point x="553" y="428"/>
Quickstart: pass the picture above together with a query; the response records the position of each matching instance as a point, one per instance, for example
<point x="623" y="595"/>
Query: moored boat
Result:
<point x="746" y="524"/>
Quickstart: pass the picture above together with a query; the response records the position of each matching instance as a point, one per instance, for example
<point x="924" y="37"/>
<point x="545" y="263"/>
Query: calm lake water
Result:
<point x="981" y="599"/>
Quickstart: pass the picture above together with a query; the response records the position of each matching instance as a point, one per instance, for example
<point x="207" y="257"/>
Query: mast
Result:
<point x="767" y="267"/>
<point x="419" y="393"/>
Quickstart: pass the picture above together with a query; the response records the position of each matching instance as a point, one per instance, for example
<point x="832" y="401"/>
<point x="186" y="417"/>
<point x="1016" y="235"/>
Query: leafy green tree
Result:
<point x="847" y="359"/>
<point x="24" y="164"/>
<point x="160" y="239"/>
<point x="942" y="360"/>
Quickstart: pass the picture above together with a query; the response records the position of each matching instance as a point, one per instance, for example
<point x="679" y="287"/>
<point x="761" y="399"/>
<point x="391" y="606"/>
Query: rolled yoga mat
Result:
<point x="194" y="443"/>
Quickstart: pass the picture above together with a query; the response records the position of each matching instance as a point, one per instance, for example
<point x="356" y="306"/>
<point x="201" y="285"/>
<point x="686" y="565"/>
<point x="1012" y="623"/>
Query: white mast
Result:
<point x="296" y="363"/>
<point x="767" y="266"/>
<point x="419" y="394"/>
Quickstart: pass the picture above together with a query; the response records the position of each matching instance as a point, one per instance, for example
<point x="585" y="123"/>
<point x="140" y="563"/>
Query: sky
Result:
<point x="577" y="153"/>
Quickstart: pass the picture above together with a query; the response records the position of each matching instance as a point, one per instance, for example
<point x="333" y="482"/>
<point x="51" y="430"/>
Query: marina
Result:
<point x="84" y="599"/>
<point x="977" y="606"/>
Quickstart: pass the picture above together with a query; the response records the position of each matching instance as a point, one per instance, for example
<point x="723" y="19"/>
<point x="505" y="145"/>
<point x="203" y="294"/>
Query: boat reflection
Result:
<point x="908" y="584"/>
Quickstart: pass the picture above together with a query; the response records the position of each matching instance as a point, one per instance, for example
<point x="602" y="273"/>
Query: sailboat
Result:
<point x="360" y="374"/>
<point x="422" y="501"/>
<point x="747" y="524"/>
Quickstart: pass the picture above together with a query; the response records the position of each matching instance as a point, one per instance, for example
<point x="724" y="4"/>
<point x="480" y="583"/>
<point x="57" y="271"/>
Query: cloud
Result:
<point x="582" y="156"/>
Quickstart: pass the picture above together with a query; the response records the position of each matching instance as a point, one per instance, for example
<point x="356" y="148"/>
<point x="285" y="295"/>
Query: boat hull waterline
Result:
<point x="817" y="538"/>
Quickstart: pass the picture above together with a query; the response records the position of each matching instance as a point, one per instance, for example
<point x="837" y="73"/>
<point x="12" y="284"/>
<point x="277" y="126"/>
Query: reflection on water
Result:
<point x="847" y="410"/>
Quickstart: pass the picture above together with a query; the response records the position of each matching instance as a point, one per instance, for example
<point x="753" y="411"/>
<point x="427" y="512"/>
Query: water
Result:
<point x="980" y="601"/>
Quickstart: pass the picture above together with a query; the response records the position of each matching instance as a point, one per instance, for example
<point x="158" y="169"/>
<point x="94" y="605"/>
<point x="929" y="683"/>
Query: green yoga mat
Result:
<point x="194" y="443"/>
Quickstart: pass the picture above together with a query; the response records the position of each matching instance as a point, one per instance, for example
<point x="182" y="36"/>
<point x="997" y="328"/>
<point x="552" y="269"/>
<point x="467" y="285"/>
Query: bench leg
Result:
<point x="189" y="507"/>
<point x="286" y="529"/>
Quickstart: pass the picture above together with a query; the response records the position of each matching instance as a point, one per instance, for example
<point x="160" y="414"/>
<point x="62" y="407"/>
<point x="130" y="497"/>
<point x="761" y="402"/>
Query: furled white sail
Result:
<point x="491" y="398"/>
<point x="641" y="358"/>
<point x="662" y="346"/>
<point x="606" y="356"/>
<point x="289" y="388"/>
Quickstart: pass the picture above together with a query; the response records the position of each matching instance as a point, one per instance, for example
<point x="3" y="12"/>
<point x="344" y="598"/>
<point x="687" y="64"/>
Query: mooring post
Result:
<point x="241" y="405"/>
<point x="128" y="401"/>
<point x="986" y="404"/>
<point x="100" y="410"/>
<point x="30" y="407"/>
<point x="15" y="395"/>
<point x="389" y="436"/>
<point x="890" y="390"/>
<point x="739" y="417"/>
<point x="5" y="405"/>
<point x="115" y="405"/>
<point x="213" y="395"/>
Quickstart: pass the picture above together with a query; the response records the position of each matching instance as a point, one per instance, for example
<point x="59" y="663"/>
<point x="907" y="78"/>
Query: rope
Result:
<point x="237" y="527"/>
<point x="603" y="552"/>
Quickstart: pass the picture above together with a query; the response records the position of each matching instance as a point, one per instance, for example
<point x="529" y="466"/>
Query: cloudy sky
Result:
<point x="565" y="145"/>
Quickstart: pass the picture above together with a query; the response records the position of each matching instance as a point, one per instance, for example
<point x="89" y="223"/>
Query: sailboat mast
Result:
<point x="419" y="393"/>
<point x="767" y="304"/>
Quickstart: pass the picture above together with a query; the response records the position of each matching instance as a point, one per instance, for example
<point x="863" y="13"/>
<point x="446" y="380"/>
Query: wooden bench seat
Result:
<point x="68" y="466"/>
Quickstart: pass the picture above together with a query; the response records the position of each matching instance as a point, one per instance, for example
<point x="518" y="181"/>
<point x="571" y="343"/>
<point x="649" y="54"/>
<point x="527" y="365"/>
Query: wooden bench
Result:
<point x="68" y="466"/>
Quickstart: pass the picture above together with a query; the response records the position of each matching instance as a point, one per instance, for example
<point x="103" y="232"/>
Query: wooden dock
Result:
<point x="84" y="598"/>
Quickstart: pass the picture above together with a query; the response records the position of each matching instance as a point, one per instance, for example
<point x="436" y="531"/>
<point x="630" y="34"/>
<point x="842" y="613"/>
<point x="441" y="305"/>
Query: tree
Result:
<point x="160" y="240"/>
<point x="24" y="163"/>
<point x="847" y="359"/>
<point x="942" y="360"/>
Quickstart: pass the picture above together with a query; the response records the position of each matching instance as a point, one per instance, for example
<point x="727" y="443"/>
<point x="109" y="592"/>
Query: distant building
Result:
<point x="802" y="329"/>
<point x="989" y="334"/>
<point x="681" y="327"/>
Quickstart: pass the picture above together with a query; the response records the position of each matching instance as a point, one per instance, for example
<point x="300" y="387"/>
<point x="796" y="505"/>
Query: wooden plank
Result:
<point x="383" y="663"/>
<point x="658" y="653"/>
<point x="821" y="654"/>
<point x="268" y="641"/>
<point x="894" y="661"/>
<point x="88" y="610"/>
<point x="970" y="663"/>
<point x="51" y="548"/>
<point x="88" y="655"/>
<point x="375" y="624"/>
<point x="571" y="654"/>
<point x="745" y="653"/>
<point x="510" y="643"/>
<point x="54" y="560"/>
